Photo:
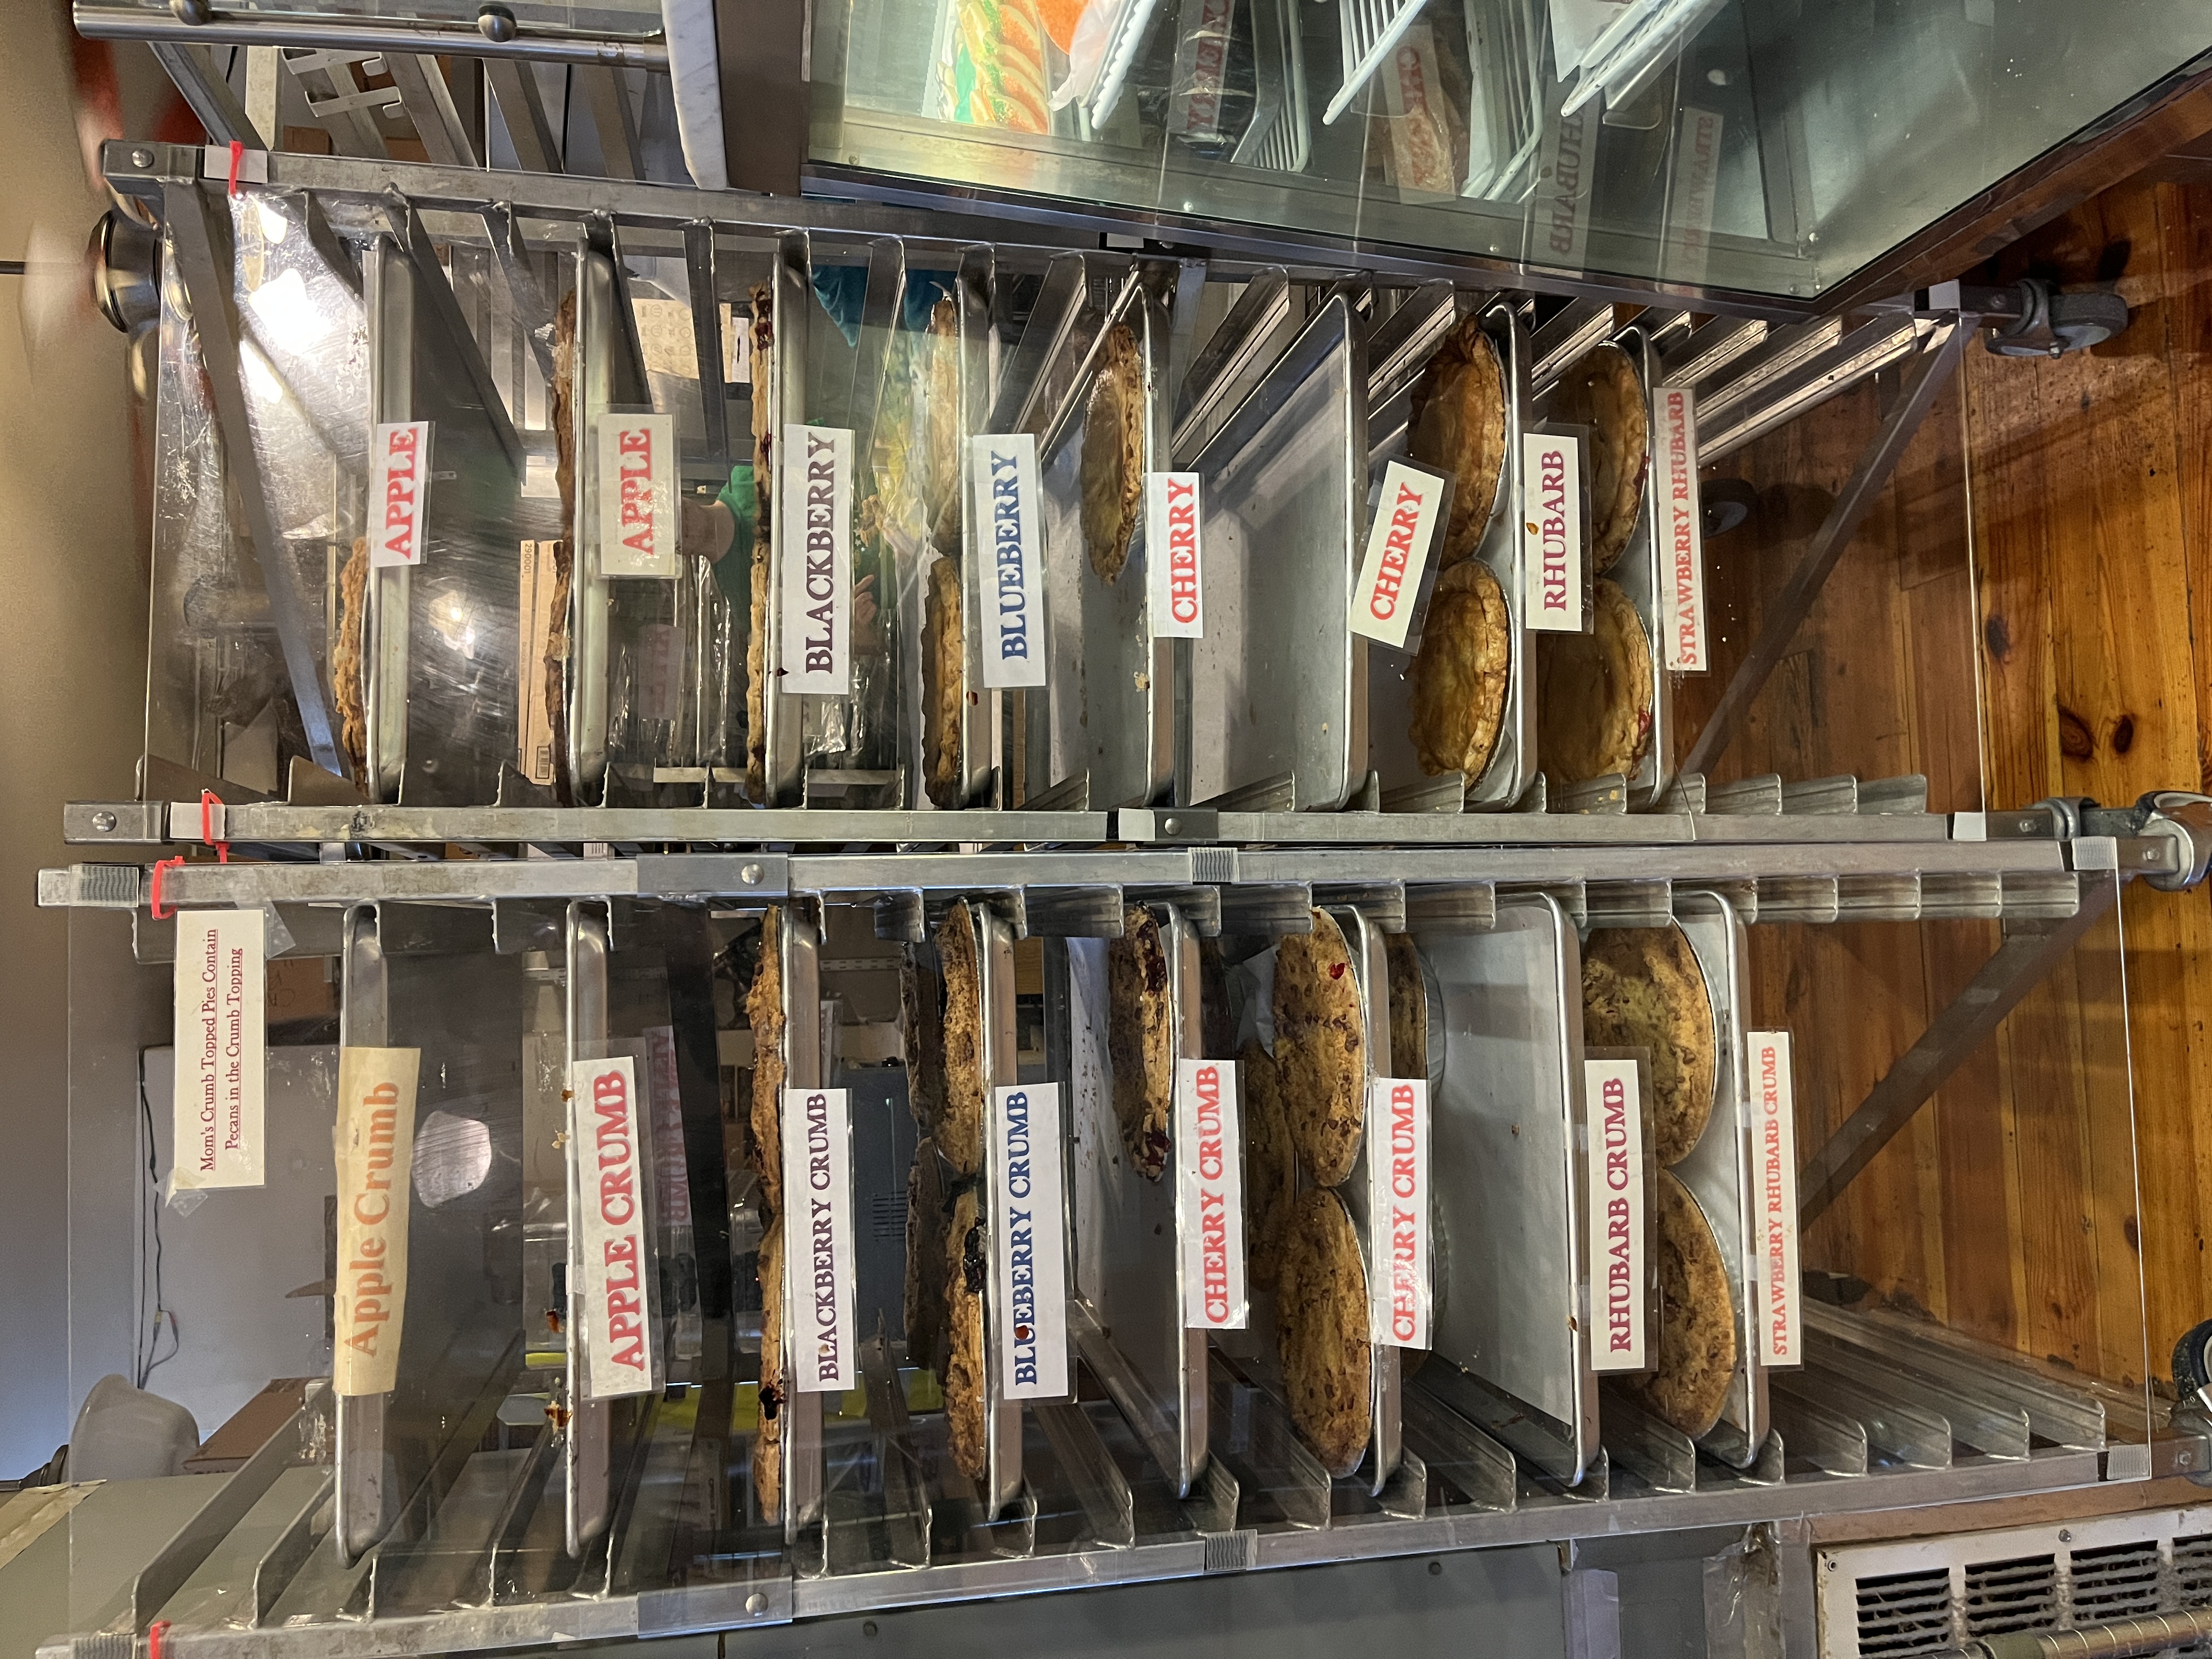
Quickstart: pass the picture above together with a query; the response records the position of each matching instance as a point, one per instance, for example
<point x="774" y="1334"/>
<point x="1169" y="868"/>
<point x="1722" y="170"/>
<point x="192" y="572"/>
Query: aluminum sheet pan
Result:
<point x="1103" y="731"/>
<point x="1507" y="1161"/>
<point x="1718" y="1170"/>
<point x="1002" y="1419"/>
<point x="799" y="946"/>
<point x="1270" y="705"/>
<point x="982" y="727"/>
<point x="1504" y="779"/>
<point x="1128" y="1262"/>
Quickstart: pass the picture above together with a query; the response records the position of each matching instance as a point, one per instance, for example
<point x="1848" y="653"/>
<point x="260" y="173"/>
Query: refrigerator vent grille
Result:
<point x="1904" y="1615"/>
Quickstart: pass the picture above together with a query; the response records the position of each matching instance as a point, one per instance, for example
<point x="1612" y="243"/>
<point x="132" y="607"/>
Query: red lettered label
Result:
<point x="398" y="486"/>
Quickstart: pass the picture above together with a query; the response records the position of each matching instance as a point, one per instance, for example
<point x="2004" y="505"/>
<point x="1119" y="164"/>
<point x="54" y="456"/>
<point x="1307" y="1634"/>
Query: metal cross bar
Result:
<point x="706" y="336"/>
<point x="208" y="94"/>
<point x="2030" y="950"/>
<point x="1938" y="358"/>
<point x="430" y="104"/>
<point x="205" y="273"/>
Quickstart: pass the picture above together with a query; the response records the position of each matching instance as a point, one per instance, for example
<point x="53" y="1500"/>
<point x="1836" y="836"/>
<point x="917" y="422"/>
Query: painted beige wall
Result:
<point x="72" y="651"/>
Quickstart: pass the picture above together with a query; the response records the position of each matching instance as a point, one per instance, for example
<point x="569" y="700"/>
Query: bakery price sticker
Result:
<point x="1408" y="511"/>
<point x="1681" y="529"/>
<point x="637" y="518"/>
<point x="1552" y="532"/>
<point x="1175" y="592"/>
<point x="1028" y="1227"/>
<point x="1774" y="1155"/>
<point x="1002" y="478"/>
<point x="1399" y="1296"/>
<point x="612" y="1273"/>
<point x="1619" y="1237"/>
<point x="814" y="507"/>
<point x="398" y="493"/>
<point x="1210" y="1195"/>
<point x="820" y="1275"/>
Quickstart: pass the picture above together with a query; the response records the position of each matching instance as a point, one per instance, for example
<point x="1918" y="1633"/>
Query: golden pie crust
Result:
<point x="764" y="1009"/>
<point x="1321" y="1049"/>
<point x="1140" y="1017"/>
<point x="1601" y="389"/>
<point x="960" y="1127"/>
<point x="1114" y="453"/>
<point x="1409" y="1006"/>
<point x="1321" y="1330"/>
<point x="966" y="1404"/>
<point x="921" y="1023"/>
<point x="346" y="660"/>
<point x="768" y="1435"/>
<point x="926" y="1229"/>
<point x="1458" y="427"/>
<point x="1697" y="1322"/>
<point x="1594" y="694"/>
<point x="943" y="684"/>
<point x="1457" y="684"/>
<point x="1643" y="988"/>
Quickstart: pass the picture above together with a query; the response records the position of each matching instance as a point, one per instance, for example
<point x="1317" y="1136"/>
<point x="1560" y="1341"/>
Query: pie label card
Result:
<point x="814" y="504"/>
<point x="1172" y="557"/>
<point x="1620" y="1240"/>
<point x="638" y="529"/>
<point x="1407" y="514"/>
<point x="820" y="1272"/>
<point x="1398" y="1274"/>
<point x="376" y="1149"/>
<point x="1210" y="1195"/>
<point x="1774" y="1156"/>
<point x="399" y="491"/>
<point x="1002" y="476"/>
<point x="614" y="1295"/>
<point x="221" y="1001"/>
<point x="1029" y="1241"/>
<point x="1681" y="527"/>
<point x="1551" y="531"/>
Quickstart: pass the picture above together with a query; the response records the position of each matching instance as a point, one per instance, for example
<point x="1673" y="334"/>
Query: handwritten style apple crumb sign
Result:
<point x="1175" y="594"/>
<point x="1680" y="528"/>
<point x="1029" y="1241"/>
<point x="1397" y="556"/>
<point x="398" y="489"/>
<point x="614" y="1293"/>
<point x="1774" y="1153"/>
<point x="814" y="504"/>
<point x="1619" y="1268"/>
<point x="1002" y="477"/>
<point x="221" y="1014"/>
<point x="1398" y="1274"/>
<point x="1551" y="531"/>
<point x="638" y="526"/>
<point x="821" y="1277"/>
<point x="375" y="1147"/>
<point x="1210" y="1195"/>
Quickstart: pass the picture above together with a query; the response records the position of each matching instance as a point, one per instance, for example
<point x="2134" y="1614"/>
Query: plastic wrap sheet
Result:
<point x="218" y="698"/>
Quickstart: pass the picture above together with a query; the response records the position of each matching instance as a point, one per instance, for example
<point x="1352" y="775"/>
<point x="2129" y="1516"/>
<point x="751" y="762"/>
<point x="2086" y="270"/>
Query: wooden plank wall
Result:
<point x="2045" y="535"/>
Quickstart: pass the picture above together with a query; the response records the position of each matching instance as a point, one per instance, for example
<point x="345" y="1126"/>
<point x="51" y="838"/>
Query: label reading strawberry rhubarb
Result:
<point x="1774" y="1157"/>
<point x="1680" y="528"/>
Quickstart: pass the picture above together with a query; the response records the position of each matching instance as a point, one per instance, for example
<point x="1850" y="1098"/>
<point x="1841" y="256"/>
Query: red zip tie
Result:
<point x="154" y="1632"/>
<point x="209" y="801"/>
<point x="154" y="898"/>
<point x="237" y="154"/>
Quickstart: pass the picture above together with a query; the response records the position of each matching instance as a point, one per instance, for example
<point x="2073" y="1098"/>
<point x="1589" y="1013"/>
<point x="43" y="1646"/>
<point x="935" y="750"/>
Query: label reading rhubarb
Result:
<point x="818" y="1239"/>
<point x="398" y="492"/>
<point x="1680" y="528"/>
<point x="1619" y="1267"/>
<point x="1175" y="594"/>
<point x="1029" y="1241"/>
<point x="637" y="495"/>
<point x="220" y="1021"/>
<point x="1210" y="1195"/>
<point x="1551" y="531"/>
<point x="1406" y="515"/>
<point x="1774" y="1155"/>
<point x="614" y="1292"/>
<point x="1398" y="1278"/>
